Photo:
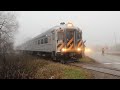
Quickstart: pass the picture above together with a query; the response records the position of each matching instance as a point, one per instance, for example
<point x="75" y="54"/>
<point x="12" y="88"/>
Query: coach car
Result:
<point x="60" y="42"/>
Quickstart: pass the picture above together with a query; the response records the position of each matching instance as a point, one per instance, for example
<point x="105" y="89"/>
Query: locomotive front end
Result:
<point x="69" y="42"/>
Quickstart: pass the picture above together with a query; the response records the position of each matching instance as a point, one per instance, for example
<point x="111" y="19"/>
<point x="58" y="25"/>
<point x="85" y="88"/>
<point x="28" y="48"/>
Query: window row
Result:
<point x="43" y="41"/>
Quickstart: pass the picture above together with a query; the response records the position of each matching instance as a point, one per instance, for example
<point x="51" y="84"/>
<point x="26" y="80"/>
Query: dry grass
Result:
<point x="87" y="60"/>
<point x="31" y="67"/>
<point x="54" y="71"/>
<point x="20" y="67"/>
<point x="60" y="71"/>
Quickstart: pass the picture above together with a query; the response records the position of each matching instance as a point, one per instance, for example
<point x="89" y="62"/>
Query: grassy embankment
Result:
<point x="30" y="67"/>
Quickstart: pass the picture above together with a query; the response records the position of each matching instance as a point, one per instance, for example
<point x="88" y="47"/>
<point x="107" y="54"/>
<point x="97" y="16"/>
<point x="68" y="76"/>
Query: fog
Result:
<point x="98" y="27"/>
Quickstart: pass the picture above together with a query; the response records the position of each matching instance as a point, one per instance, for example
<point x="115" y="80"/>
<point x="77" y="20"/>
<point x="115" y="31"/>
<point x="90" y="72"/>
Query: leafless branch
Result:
<point x="8" y="25"/>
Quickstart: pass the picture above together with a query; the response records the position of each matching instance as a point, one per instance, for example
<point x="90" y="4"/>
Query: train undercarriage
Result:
<point x="60" y="57"/>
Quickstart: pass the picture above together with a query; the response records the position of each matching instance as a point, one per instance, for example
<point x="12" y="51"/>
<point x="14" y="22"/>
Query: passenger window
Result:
<point x="41" y="41"/>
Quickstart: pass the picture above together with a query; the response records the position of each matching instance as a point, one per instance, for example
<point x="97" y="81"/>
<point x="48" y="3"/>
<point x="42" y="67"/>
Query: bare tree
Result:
<point x="8" y="26"/>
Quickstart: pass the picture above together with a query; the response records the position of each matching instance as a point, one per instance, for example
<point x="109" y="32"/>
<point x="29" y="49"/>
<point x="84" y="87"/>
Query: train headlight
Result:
<point x="63" y="50"/>
<point x="78" y="49"/>
<point x="70" y="25"/>
<point x="87" y="50"/>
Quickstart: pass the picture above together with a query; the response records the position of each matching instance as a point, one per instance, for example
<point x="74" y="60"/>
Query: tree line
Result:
<point x="8" y="26"/>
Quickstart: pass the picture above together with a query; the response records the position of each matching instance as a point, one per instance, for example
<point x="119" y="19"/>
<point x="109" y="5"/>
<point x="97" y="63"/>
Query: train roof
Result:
<point x="62" y="26"/>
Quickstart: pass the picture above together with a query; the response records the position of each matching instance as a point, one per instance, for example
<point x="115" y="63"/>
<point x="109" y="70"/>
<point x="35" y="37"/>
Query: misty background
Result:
<point x="100" y="28"/>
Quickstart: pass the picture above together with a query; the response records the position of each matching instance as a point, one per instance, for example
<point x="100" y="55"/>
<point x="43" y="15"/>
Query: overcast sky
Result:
<point x="98" y="26"/>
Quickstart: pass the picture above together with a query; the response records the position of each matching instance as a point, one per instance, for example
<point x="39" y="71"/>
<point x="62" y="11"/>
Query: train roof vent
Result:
<point x="62" y="23"/>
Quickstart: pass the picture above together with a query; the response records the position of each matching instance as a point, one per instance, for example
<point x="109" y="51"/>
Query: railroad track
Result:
<point x="105" y="70"/>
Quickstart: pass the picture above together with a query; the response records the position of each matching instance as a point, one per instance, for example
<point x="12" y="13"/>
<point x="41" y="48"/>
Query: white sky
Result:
<point x="98" y="26"/>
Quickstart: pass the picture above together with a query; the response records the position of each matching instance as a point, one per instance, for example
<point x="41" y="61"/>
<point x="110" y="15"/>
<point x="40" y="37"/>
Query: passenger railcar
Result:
<point x="60" y="42"/>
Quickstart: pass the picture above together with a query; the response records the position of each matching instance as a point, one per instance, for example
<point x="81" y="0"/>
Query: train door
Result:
<point x="60" y="40"/>
<point x="70" y="39"/>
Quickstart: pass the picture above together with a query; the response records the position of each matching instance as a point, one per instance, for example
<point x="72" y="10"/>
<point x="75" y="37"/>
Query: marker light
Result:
<point x="78" y="49"/>
<point x="87" y="50"/>
<point x="63" y="49"/>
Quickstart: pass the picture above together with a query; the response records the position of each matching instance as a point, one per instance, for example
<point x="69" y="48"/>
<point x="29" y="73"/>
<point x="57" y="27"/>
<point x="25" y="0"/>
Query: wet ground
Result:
<point x="111" y="61"/>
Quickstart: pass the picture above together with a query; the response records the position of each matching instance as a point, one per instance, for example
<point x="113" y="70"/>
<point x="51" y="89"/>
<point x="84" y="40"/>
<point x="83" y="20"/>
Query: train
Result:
<point x="61" y="42"/>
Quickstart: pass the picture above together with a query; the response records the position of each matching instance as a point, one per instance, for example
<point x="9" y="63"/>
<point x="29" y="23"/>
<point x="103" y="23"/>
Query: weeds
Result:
<point x="31" y="67"/>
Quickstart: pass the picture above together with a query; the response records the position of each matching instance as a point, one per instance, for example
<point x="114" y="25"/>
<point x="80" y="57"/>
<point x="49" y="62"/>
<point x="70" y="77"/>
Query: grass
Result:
<point x="59" y="71"/>
<point x="31" y="67"/>
<point x="75" y="73"/>
<point x="87" y="60"/>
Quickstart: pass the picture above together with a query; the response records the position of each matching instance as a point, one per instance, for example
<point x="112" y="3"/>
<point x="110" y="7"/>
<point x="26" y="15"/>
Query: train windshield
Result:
<point x="69" y="34"/>
<point x="78" y="35"/>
